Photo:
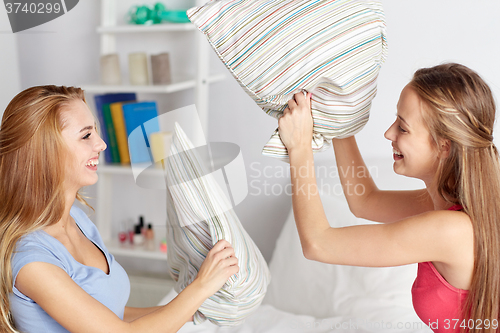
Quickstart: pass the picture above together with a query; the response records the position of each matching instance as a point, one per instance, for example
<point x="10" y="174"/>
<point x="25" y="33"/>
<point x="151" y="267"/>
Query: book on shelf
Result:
<point x="120" y="131"/>
<point x="102" y="103"/>
<point x="110" y="132"/>
<point x="141" y="120"/>
<point x="160" y="146"/>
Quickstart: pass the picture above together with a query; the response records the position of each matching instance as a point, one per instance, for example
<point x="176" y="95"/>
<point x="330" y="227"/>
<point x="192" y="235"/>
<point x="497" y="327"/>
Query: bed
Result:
<point x="307" y="296"/>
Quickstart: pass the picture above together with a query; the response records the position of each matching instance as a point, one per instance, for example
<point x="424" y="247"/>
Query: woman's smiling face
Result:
<point x="415" y="154"/>
<point x="84" y="145"/>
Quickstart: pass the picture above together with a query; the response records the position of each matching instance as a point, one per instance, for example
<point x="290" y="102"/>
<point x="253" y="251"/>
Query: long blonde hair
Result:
<point x="32" y="156"/>
<point x="459" y="106"/>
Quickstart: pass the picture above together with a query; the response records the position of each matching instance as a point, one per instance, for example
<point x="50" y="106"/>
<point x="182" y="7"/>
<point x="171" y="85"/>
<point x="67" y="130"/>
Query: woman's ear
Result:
<point x="444" y="148"/>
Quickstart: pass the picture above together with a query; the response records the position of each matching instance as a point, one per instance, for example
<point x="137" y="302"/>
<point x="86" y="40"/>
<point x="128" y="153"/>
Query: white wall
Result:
<point x="10" y="82"/>
<point x="426" y="33"/>
<point x="421" y="33"/>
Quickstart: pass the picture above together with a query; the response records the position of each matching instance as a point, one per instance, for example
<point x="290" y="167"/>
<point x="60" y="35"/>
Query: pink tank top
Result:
<point x="437" y="302"/>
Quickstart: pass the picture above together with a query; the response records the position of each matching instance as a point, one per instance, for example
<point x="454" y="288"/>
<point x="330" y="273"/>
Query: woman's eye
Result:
<point x="401" y="129"/>
<point x="86" y="136"/>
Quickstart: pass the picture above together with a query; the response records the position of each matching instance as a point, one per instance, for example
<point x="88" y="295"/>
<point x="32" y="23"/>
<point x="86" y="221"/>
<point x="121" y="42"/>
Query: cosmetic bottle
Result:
<point x="131" y="233"/>
<point x="141" y="224"/>
<point x="150" y="238"/>
<point x="138" y="237"/>
<point x="163" y="245"/>
<point x="122" y="235"/>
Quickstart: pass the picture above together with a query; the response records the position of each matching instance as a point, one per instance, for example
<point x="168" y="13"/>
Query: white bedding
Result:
<point x="268" y="319"/>
<point x="307" y="296"/>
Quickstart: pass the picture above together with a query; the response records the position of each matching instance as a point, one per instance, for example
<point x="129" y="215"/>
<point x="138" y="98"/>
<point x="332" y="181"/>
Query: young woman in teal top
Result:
<point x="57" y="275"/>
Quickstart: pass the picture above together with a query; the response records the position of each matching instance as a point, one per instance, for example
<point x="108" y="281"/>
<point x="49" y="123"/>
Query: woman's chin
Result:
<point x="397" y="169"/>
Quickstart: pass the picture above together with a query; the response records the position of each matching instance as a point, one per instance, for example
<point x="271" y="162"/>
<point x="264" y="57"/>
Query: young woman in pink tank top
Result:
<point x="442" y="135"/>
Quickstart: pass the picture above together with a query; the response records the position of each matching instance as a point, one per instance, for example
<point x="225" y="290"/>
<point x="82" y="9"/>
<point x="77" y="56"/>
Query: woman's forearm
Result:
<point x="171" y="317"/>
<point x="307" y="207"/>
<point x="132" y="313"/>
<point x="219" y="264"/>
<point x="354" y="175"/>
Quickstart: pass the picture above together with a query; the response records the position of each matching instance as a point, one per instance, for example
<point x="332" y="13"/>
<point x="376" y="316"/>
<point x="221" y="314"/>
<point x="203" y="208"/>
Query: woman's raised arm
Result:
<point x="369" y="203"/>
<point x="431" y="236"/>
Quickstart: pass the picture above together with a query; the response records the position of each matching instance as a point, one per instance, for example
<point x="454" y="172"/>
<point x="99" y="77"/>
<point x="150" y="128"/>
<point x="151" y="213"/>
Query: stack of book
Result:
<point x="120" y="115"/>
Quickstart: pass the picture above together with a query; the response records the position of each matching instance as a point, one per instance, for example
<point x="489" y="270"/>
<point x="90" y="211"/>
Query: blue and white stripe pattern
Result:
<point x="198" y="217"/>
<point x="275" y="48"/>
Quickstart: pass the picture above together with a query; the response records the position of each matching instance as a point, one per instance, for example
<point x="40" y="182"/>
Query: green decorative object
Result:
<point x="147" y="15"/>
<point x="175" y="16"/>
<point x="159" y="7"/>
<point x="139" y="15"/>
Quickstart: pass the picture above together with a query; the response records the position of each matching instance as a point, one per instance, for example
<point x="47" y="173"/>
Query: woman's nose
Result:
<point x="100" y="145"/>
<point x="390" y="134"/>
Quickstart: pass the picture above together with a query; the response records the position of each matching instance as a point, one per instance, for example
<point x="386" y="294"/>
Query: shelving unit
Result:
<point x="179" y="84"/>
<point x="108" y="30"/>
<point x="130" y="251"/>
<point x="165" y="27"/>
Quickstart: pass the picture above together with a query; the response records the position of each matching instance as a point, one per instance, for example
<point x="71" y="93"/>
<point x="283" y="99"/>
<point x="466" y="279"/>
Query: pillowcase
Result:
<point x="276" y="48"/>
<point x="199" y="215"/>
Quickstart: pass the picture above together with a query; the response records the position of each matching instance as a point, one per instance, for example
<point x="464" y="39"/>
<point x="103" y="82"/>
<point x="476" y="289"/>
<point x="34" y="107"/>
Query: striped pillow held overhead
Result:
<point x="276" y="48"/>
<point x="198" y="217"/>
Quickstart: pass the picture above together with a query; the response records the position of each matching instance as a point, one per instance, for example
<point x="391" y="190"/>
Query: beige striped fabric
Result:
<point x="199" y="215"/>
<point x="276" y="48"/>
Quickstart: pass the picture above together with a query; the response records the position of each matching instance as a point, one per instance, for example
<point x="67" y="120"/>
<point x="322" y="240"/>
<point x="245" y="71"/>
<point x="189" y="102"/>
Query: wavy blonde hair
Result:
<point x="459" y="106"/>
<point x="32" y="156"/>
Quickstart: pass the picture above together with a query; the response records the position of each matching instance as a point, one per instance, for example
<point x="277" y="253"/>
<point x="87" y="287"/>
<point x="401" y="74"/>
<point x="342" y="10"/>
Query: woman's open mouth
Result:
<point x="397" y="154"/>
<point x="92" y="164"/>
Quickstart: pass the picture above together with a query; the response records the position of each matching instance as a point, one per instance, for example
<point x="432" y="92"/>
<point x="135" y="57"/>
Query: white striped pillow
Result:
<point x="199" y="215"/>
<point x="275" y="48"/>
